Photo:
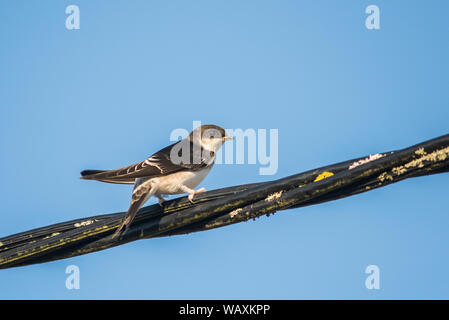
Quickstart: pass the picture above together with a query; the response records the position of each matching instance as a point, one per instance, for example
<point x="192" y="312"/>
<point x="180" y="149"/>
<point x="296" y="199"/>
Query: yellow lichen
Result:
<point x="52" y="235"/>
<point x="323" y="175"/>
<point x="235" y="212"/>
<point x="372" y="157"/>
<point x="385" y="176"/>
<point x="420" y="152"/>
<point x="399" y="170"/>
<point x="438" y="155"/>
<point x="48" y="247"/>
<point x="274" y="196"/>
<point x="84" y="223"/>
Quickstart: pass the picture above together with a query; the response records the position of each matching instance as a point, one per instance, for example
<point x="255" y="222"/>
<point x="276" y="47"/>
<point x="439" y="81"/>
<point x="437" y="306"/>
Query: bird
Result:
<point x="176" y="169"/>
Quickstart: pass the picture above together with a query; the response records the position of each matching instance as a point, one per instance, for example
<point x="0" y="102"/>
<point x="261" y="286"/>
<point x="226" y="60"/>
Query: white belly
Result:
<point x="172" y="183"/>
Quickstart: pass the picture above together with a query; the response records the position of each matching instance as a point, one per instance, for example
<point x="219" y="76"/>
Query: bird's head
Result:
<point x="209" y="137"/>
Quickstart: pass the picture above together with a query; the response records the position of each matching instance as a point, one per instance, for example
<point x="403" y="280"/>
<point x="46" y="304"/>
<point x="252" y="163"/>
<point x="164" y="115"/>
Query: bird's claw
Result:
<point x="191" y="195"/>
<point x="161" y="200"/>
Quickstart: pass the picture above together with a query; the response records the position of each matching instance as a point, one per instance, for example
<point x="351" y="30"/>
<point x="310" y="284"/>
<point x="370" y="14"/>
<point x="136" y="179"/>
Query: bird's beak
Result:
<point x="227" y="138"/>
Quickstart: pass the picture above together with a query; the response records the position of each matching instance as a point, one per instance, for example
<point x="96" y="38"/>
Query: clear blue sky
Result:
<point x="109" y="94"/>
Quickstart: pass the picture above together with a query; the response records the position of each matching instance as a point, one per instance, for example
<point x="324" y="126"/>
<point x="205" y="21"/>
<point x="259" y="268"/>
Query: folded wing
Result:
<point x="158" y="164"/>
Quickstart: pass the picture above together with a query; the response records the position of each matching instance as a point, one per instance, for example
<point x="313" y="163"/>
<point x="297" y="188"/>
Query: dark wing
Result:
<point x="158" y="164"/>
<point x="95" y="175"/>
<point x="141" y="193"/>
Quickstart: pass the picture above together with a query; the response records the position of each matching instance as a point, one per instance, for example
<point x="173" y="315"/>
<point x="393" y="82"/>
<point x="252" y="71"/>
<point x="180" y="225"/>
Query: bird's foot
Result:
<point x="161" y="200"/>
<point x="192" y="194"/>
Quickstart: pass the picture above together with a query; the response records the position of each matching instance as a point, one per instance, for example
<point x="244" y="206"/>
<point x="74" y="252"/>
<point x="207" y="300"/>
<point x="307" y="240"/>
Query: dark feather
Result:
<point x="90" y="172"/>
<point x="140" y="193"/>
<point x="158" y="164"/>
